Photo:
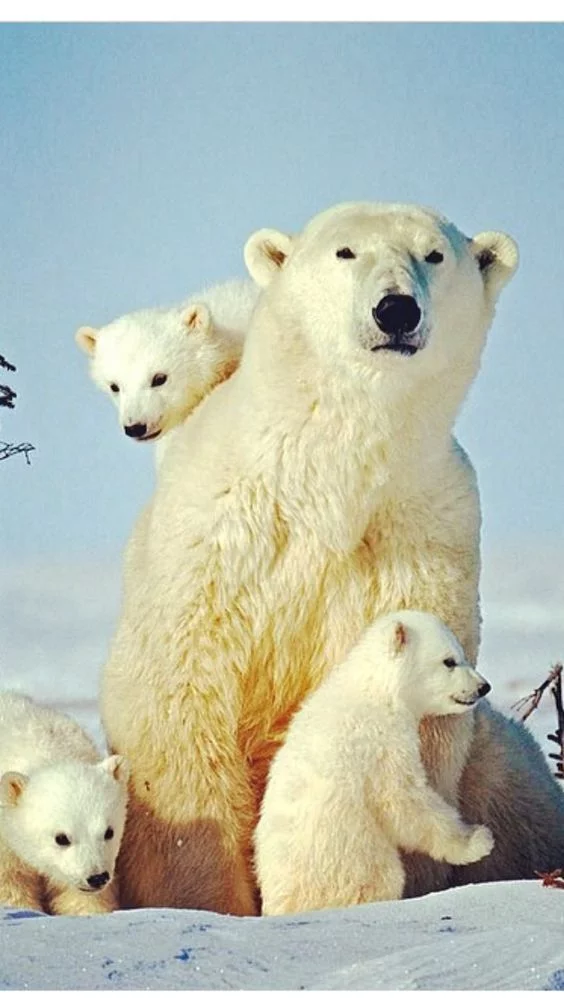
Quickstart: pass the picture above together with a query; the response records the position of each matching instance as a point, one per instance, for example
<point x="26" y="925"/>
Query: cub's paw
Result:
<point x="477" y="844"/>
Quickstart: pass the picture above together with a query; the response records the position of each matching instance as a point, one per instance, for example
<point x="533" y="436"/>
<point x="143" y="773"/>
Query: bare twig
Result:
<point x="528" y="705"/>
<point x="531" y="701"/>
<point x="7" y="397"/>
<point x="553" y="878"/>
<point x="6" y="450"/>
<point x="558" y="736"/>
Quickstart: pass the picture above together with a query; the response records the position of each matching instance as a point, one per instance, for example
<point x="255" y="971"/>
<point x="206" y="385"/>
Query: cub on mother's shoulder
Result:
<point x="158" y="364"/>
<point x="348" y="789"/>
<point x="62" y="812"/>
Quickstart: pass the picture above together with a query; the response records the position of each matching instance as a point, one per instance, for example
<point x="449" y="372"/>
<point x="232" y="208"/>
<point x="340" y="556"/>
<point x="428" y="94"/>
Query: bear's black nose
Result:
<point x="98" y="880"/>
<point x="397" y="314"/>
<point x="136" y="430"/>
<point x="484" y="689"/>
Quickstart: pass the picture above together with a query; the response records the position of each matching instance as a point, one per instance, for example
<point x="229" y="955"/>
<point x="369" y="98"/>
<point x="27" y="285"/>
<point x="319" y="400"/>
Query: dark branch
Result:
<point x="7" y="397"/>
<point x="528" y="705"/>
<point x="553" y="878"/>
<point x="530" y="702"/>
<point x="6" y="450"/>
<point x="558" y="736"/>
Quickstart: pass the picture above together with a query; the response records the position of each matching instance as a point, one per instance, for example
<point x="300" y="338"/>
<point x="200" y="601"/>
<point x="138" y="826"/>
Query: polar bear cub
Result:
<point x="158" y="364"/>
<point x="62" y="812"/>
<point x="348" y="789"/>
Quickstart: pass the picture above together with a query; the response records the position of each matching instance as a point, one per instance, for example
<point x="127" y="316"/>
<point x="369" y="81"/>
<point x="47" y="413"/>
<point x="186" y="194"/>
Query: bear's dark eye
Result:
<point x="109" y="834"/>
<point x="159" y="379"/>
<point x="435" y="257"/>
<point x="62" y="840"/>
<point x="114" y="387"/>
<point x="449" y="662"/>
<point x="346" y="253"/>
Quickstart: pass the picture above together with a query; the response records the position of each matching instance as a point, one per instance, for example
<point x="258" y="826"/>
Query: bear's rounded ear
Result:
<point x="117" y="766"/>
<point x="398" y="638"/>
<point x="266" y="253"/>
<point x="12" y="784"/>
<point x="85" y="337"/>
<point x="498" y="257"/>
<point x="197" y="317"/>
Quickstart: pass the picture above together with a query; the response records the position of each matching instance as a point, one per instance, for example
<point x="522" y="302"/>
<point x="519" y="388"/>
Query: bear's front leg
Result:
<point x="70" y="900"/>
<point x="191" y="808"/>
<point x="424" y="822"/>
<point x="196" y="863"/>
<point x="172" y="703"/>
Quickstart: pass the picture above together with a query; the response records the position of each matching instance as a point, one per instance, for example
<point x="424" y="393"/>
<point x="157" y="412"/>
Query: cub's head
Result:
<point x="395" y="291"/>
<point x="433" y="676"/>
<point x="66" y="820"/>
<point x="156" y="365"/>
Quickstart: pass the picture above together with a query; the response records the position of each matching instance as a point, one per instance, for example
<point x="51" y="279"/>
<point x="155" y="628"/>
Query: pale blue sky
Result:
<point x="136" y="160"/>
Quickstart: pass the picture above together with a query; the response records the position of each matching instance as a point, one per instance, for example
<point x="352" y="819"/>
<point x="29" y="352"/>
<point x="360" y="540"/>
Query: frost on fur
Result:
<point x="158" y="364"/>
<point x="348" y="789"/>
<point x="62" y="812"/>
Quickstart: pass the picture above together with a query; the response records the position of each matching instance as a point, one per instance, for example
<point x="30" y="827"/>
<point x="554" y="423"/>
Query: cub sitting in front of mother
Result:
<point x="347" y="789"/>
<point x="316" y="489"/>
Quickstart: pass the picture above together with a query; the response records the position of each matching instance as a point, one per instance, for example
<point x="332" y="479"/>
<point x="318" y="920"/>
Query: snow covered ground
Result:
<point x="56" y="621"/>
<point x="504" y="936"/>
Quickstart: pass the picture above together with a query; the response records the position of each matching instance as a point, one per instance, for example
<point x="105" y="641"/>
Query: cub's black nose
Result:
<point x="397" y="314"/>
<point x="135" y="430"/>
<point x="484" y="689"/>
<point x="98" y="880"/>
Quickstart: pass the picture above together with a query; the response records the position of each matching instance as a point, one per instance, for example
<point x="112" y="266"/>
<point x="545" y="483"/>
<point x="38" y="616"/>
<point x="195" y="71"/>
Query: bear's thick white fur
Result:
<point x="53" y="783"/>
<point x="348" y="788"/>
<point x="316" y="489"/>
<point x="186" y="349"/>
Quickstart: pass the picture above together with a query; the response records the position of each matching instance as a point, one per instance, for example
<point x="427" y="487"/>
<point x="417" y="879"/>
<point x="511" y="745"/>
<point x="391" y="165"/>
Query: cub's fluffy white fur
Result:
<point x="62" y="812"/>
<point x="158" y="364"/>
<point x="348" y="789"/>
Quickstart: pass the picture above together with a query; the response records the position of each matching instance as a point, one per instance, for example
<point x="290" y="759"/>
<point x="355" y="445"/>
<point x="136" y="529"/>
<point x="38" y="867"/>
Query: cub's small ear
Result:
<point x="12" y="784"/>
<point x="85" y="337"/>
<point x="498" y="257"/>
<point x="266" y="253"/>
<point x="197" y="318"/>
<point x="117" y="766"/>
<point x="398" y="638"/>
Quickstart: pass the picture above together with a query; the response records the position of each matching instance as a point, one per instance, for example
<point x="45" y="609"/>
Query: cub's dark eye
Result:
<point x="109" y="834"/>
<point x="159" y="379"/>
<point x="346" y="253"/>
<point x="435" y="257"/>
<point x="62" y="840"/>
<point x="449" y="662"/>
<point x="114" y="387"/>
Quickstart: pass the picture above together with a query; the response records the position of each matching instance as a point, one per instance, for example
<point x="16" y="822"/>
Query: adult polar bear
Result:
<point x="316" y="489"/>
